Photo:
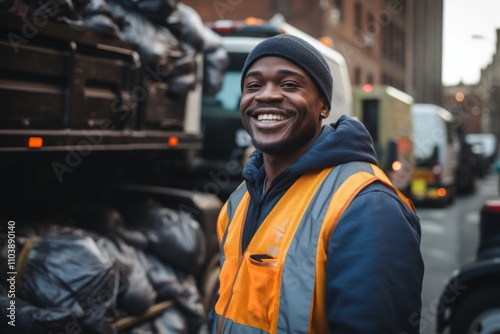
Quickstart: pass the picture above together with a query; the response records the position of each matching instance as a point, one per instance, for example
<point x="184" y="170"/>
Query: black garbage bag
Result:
<point x="73" y="273"/>
<point x="96" y="15"/>
<point x="186" y="24"/>
<point x="171" y="284"/>
<point x="158" y="11"/>
<point x="175" y="237"/>
<point x="170" y="57"/>
<point x="44" y="10"/>
<point x="182" y="77"/>
<point x="133" y="237"/>
<point x="171" y="321"/>
<point x="92" y="15"/>
<point x="135" y="294"/>
<point x="157" y="45"/>
<point x="108" y="222"/>
<point x="215" y="62"/>
<point x="28" y="319"/>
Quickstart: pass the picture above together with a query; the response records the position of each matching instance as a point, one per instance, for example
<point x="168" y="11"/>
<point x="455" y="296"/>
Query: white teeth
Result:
<point x="270" y="117"/>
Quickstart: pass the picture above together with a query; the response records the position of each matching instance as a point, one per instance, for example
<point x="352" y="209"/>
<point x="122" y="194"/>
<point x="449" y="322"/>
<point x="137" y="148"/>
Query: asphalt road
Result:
<point x="450" y="237"/>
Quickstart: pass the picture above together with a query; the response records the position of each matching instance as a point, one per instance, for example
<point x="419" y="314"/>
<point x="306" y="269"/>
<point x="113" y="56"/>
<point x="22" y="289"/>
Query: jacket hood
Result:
<point x="344" y="141"/>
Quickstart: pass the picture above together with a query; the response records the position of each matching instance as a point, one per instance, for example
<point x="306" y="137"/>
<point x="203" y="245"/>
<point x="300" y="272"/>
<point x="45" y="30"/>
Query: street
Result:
<point x="450" y="238"/>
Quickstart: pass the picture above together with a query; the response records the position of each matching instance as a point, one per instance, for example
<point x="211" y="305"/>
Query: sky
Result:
<point x="469" y="38"/>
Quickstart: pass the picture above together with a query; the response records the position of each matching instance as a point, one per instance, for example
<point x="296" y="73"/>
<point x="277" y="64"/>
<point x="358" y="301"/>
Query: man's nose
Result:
<point x="269" y="92"/>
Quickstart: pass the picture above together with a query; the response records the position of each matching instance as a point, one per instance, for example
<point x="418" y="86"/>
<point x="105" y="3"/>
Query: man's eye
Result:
<point x="289" y="84"/>
<point x="252" y="85"/>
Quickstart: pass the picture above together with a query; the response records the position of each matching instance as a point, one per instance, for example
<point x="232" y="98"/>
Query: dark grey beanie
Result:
<point x="298" y="52"/>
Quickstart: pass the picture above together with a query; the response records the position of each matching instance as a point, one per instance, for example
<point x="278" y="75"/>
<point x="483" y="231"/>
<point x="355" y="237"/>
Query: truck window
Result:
<point x="227" y="100"/>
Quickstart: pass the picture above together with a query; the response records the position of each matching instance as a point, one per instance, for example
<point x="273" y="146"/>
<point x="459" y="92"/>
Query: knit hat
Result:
<point x="298" y="52"/>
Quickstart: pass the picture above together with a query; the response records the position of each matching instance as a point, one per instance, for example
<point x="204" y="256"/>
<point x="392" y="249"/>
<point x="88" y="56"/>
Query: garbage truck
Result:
<point x="101" y="118"/>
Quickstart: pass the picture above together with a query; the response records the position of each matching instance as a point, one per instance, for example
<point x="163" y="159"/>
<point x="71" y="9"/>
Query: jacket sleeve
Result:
<point x="374" y="267"/>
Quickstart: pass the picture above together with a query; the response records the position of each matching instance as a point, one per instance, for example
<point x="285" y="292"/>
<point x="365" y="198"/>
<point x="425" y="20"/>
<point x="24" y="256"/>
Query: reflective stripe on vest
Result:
<point x="278" y="284"/>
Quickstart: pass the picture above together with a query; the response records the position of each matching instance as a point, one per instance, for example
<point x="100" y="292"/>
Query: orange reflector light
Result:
<point x="441" y="192"/>
<point x="328" y="41"/>
<point x="397" y="165"/>
<point x="173" y="141"/>
<point x="35" y="142"/>
<point x="254" y="21"/>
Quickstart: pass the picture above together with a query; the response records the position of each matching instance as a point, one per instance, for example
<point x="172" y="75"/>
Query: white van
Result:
<point x="435" y="152"/>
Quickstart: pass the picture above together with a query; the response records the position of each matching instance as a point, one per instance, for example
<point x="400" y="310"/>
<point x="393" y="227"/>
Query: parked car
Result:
<point x="484" y="145"/>
<point x="468" y="164"/>
<point x="470" y="302"/>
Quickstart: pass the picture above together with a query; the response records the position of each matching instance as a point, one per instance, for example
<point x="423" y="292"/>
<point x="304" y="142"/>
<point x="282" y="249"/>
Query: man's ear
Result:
<point x="324" y="112"/>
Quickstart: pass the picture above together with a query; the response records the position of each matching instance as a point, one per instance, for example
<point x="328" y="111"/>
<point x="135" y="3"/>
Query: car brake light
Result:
<point x="397" y="165"/>
<point x="223" y="30"/>
<point x="492" y="206"/>
<point x="441" y="192"/>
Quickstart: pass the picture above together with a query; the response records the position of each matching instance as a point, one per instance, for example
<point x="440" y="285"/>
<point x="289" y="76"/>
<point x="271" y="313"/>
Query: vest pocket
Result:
<point x="260" y="280"/>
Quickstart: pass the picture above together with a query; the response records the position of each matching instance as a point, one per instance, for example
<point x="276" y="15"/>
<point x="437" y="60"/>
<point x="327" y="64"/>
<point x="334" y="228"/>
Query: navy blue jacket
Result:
<point x="375" y="268"/>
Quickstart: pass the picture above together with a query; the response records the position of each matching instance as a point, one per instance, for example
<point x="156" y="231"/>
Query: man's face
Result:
<point x="281" y="107"/>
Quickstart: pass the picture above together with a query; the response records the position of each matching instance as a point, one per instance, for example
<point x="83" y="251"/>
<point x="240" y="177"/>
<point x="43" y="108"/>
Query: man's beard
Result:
<point x="284" y="148"/>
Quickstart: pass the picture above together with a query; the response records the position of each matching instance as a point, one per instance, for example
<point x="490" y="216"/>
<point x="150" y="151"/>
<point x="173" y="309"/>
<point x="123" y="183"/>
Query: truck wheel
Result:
<point x="478" y="312"/>
<point x="211" y="282"/>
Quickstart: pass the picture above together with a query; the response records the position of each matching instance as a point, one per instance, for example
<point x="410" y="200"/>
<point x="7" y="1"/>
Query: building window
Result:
<point x="283" y="6"/>
<point x="369" y="79"/>
<point x="336" y="11"/>
<point x="370" y="32"/>
<point x="357" y="75"/>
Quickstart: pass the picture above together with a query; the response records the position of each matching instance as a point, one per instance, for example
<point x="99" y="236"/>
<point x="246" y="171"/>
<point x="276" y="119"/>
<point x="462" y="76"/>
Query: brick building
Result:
<point x="394" y="42"/>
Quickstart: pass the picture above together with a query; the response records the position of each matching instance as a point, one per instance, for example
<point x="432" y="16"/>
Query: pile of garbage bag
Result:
<point x="169" y="35"/>
<point x="103" y="271"/>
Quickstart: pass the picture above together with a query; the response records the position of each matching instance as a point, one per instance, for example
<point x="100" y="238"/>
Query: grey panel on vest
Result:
<point x="299" y="270"/>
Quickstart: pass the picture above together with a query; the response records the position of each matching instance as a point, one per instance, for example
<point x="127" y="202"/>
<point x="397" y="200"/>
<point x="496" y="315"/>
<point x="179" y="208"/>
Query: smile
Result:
<point x="270" y="117"/>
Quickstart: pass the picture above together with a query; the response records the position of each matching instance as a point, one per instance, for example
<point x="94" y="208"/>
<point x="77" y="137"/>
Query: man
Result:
<point x="316" y="240"/>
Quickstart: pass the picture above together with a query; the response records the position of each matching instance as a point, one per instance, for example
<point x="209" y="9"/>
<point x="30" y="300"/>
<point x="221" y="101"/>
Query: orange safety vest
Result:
<point x="278" y="284"/>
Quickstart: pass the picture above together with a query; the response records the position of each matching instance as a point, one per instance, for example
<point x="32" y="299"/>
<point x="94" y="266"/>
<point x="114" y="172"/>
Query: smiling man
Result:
<point x="317" y="239"/>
